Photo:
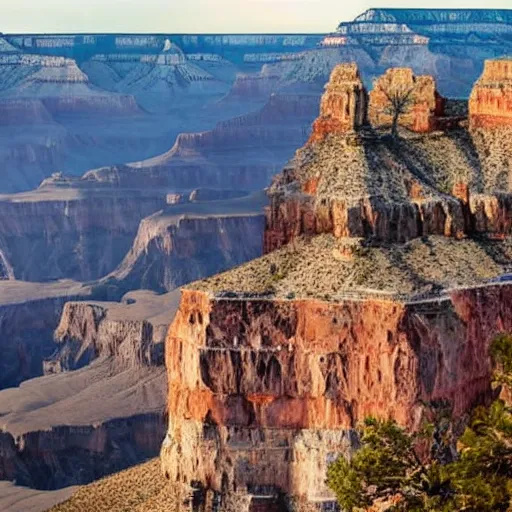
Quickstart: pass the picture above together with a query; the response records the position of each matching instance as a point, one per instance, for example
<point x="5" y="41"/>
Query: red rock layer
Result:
<point x="426" y="107"/>
<point x="490" y="104"/>
<point x="382" y="221"/>
<point x="344" y="103"/>
<point x="291" y="367"/>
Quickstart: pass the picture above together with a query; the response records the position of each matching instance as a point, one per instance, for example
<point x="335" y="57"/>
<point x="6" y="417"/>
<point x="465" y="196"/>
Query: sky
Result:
<point x="200" y="16"/>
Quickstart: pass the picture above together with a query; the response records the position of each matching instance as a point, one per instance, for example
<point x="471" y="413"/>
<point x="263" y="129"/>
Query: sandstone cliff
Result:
<point x="277" y="381"/>
<point x="363" y="185"/>
<point x="490" y="104"/>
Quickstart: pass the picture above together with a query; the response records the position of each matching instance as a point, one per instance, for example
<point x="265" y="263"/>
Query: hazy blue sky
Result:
<point x="199" y="16"/>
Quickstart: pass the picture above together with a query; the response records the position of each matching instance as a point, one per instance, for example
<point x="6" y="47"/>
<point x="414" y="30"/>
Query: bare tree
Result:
<point x="400" y="98"/>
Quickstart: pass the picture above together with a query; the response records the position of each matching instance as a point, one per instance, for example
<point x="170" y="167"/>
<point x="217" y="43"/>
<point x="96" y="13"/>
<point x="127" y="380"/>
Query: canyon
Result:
<point x="365" y="278"/>
<point x="71" y="427"/>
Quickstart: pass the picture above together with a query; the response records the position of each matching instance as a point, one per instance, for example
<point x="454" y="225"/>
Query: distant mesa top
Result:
<point x="433" y="16"/>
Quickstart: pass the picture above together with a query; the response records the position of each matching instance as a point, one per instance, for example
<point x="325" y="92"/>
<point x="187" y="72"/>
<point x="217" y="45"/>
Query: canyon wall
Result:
<point x="171" y="250"/>
<point x="75" y="234"/>
<point x="264" y="394"/>
<point x="272" y="365"/>
<point x="242" y="153"/>
<point x="100" y="407"/>
<point x="28" y="318"/>
<point x="42" y="459"/>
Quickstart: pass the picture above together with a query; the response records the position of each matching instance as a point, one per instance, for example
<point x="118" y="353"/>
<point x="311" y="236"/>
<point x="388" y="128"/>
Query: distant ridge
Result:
<point x="429" y="16"/>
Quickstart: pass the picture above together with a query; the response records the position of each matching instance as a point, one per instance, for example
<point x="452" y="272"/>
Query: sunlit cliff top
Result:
<point x="328" y="268"/>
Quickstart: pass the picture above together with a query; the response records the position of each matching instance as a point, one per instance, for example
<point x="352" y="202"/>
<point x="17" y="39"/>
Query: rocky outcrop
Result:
<point x="422" y="110"/>
<point x="86" y="332"/>
<point x="358" y="184"/>
<point x="384" y="283"/>
<point x="29" y="313"/>
<point x="182" y="244"/>
<point x="72" y="427"/>
<point x="490" y="104"/>
<point x="344" y="104"/>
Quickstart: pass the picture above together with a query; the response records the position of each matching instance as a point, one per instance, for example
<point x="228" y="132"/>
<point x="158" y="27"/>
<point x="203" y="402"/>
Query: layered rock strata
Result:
<point x="241" y="153"/>
<point x="344" y="104"/>
<point x="183" y="243"/>
<point x="58" y="232"/>
<point x="386" y="278"/>
<point x="29" y="313"/>
<point x="263" y="393"/>
<point x="363" y="185"/>
<point x="72" y="427"/>
<point x="490" y="104"/>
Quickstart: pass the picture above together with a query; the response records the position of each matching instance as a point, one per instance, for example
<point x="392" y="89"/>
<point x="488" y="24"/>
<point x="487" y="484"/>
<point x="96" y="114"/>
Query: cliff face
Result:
<point x="75" y="234"/>
<point x="344" y="104"/>
<point x="279" y="381"/>
<point x="490" y="104"/>
<point x="28" y="318"/>
<point x="173" y="248"/>
<point x="72" y="427"/>
<point x="85" y="332"/>
<point x="358" y="184"/>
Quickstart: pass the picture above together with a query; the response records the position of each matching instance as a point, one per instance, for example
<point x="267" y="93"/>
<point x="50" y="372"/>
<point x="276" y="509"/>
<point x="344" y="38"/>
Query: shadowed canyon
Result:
<point x="224" y="249"/>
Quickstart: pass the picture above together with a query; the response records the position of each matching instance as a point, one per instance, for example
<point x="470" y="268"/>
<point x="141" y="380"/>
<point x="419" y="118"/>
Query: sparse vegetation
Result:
<point x="139" y="489"/>
<point x="372" y="167"/>
<point x="419" y="266"/>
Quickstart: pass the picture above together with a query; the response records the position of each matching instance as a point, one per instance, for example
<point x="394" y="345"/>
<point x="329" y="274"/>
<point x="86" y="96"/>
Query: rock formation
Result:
<point x="241" y="153"/>
<point x="29" y="313"/>
<point x="187" y="242"/>
<point x="72" y="427"/>
<point x="344" y="104"/>
<point x="383" y="284"/>
<point x="426" y="104"/>
<point x="60" y="232"/>
<point x="490" y="104"/>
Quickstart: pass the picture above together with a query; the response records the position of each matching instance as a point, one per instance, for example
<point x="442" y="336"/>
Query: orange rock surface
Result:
<point x="344" y="103"/>
<point x="427" y="105"/>
<point x="247" y="368"/>
<point x="265" y="391"/>
<point x="490" y="104"/>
